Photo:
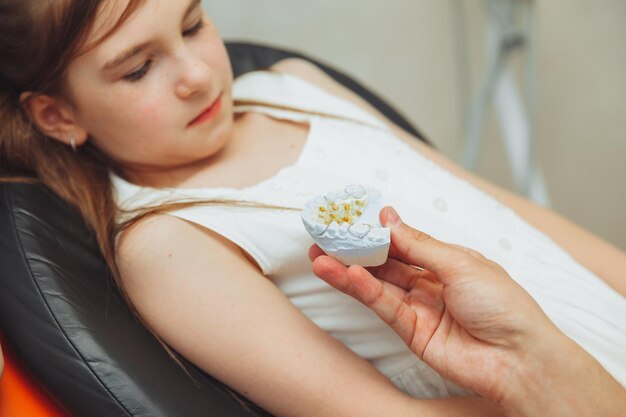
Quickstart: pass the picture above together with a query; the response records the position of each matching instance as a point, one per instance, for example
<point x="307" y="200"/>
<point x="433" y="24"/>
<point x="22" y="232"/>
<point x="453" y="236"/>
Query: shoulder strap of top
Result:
<point x="290" y="97"/>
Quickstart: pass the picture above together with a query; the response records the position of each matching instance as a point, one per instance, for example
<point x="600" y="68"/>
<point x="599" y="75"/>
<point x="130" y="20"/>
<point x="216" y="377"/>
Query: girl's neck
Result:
<point x="258" y="149"/>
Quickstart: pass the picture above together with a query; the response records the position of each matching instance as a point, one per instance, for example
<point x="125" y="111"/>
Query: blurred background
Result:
<point x="429" y="57"/>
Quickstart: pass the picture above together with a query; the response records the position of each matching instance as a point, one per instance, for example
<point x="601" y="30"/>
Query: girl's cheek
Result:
<point x="152" y="114"/>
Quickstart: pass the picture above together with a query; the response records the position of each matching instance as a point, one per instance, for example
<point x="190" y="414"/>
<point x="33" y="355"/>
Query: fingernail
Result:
<point x="393" y="217"/>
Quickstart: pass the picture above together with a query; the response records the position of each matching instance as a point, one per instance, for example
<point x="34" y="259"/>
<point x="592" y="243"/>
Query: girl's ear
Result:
<point x="54" y="117"/>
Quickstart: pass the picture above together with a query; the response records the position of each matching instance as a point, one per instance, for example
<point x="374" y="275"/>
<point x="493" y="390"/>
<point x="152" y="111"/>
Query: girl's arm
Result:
<point x="200" y="294"/>
<point x="605" y="260"/>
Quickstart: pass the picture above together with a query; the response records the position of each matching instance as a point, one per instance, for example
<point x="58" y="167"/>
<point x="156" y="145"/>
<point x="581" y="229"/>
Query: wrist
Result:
<point x="558" y="378"/>
<point x="539" y="370"/>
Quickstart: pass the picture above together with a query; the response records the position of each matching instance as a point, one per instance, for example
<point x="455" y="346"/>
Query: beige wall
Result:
<point x="404" y="50"/>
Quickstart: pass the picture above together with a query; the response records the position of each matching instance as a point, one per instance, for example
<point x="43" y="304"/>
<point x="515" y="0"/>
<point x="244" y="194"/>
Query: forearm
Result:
<point x="564" y="381"/>
<point x="456" y="407"/>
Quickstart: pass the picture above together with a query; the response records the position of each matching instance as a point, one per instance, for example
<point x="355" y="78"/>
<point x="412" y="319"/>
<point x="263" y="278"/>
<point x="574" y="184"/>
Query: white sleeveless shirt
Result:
<point x="346" y="145"/>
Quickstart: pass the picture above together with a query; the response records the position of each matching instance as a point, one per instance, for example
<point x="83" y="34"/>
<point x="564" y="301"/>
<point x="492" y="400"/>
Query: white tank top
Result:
<point x="347" y="145"/>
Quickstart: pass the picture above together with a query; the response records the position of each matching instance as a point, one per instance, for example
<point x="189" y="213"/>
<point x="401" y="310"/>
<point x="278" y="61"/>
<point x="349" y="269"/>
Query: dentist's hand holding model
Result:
<point x="464" y="316"/>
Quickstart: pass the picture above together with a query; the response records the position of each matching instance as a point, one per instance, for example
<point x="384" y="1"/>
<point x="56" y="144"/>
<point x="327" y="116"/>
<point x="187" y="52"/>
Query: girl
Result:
<point x="128" y="110"/>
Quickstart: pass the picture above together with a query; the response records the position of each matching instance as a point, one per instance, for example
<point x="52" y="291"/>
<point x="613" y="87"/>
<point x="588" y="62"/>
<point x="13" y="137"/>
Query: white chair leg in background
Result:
<point x="517" y="120"/>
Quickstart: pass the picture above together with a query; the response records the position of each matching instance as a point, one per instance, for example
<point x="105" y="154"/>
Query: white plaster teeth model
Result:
<point x="345" y="225"/>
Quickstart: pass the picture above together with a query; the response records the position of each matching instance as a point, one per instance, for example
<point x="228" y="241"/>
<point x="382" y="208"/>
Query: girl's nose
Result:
<point x="194" y="77"/>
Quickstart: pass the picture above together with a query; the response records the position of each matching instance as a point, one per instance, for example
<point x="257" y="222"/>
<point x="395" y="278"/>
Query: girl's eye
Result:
<point x="139" y="74"/>
<point x="194" y="29"/>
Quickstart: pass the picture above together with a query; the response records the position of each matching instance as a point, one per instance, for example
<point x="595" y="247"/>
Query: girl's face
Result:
<point x="156" y="94"/>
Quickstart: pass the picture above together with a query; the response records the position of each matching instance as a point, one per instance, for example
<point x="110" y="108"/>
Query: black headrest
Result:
<point x="66" y="321"/>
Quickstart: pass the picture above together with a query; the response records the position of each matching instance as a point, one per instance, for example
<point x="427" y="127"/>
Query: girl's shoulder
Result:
<point x="313" y="74"/>
<point x="162" y="242"/>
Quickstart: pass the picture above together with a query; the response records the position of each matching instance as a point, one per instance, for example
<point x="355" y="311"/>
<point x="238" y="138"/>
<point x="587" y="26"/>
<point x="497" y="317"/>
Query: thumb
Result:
<point x="417" y="248"/>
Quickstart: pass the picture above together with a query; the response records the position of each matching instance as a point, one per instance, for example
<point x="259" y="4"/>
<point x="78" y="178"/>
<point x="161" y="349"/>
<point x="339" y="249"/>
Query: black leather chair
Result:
<point x="65" y="321"/>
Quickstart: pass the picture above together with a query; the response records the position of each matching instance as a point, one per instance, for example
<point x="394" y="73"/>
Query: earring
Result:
<point x="73" y="143"/>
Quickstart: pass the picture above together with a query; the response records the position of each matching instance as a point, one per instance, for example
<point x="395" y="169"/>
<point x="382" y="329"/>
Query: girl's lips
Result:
<point x="209" y="113"/>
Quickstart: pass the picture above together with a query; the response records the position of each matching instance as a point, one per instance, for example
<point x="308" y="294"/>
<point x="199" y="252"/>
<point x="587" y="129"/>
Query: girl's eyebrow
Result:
<point x="131" y="52"/>
<point x="126" y="55"/>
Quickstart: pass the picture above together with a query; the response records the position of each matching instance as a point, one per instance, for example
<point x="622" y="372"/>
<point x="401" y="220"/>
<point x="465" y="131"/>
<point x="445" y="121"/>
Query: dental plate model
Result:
<point x="345" y="225"/>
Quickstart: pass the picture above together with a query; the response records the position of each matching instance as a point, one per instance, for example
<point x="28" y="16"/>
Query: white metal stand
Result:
<point x="511" y="28"/>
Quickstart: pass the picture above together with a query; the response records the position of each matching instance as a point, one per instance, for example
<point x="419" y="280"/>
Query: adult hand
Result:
<point x="460" y="313"/>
